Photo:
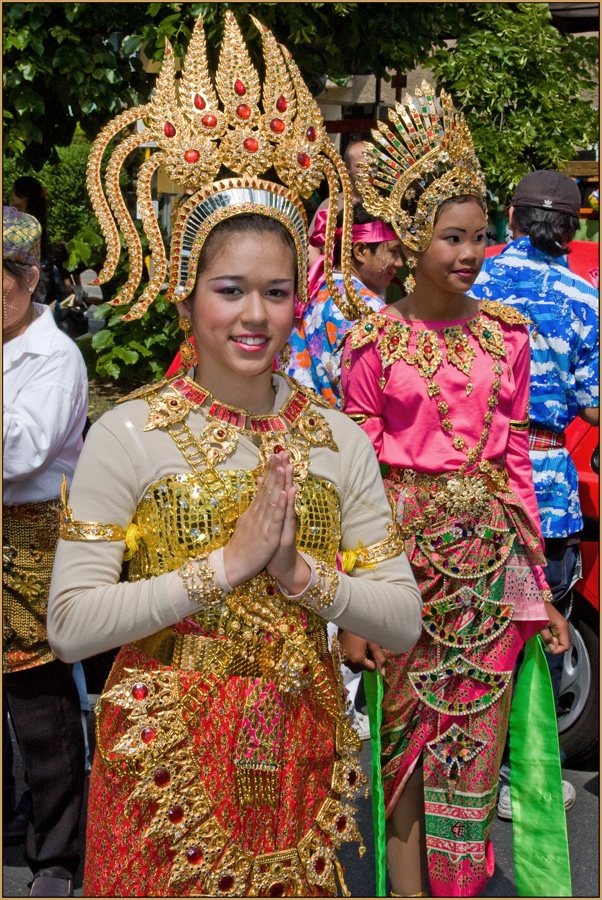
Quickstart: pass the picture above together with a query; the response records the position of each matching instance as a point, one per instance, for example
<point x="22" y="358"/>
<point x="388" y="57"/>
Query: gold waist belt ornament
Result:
<point x="201" y="653"/>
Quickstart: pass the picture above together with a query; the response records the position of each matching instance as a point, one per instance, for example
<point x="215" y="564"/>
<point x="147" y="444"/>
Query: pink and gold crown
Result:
<point x="205" y="131"/>
<point x="412" y="167"/>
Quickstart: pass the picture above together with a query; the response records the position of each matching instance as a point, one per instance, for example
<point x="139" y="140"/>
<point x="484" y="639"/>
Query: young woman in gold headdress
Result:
<point x="225" y="758"/>
<point x="440" y="383"/>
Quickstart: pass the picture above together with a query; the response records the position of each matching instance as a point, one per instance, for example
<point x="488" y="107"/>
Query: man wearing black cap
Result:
<point x="532" y="275"/>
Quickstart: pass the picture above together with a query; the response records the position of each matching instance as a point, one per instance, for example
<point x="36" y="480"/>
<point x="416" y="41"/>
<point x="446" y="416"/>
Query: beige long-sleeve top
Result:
<point x="90" y="611"/>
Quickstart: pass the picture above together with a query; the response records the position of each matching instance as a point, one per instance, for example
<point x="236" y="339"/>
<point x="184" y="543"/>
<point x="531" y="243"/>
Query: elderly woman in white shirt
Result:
<point x="44" y="405"/>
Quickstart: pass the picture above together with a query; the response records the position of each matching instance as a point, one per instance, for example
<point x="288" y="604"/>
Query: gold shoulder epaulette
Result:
<point x="307" y="392"/>
<point x="502" y="311"/>
<point x="366" y="330"/>
<point x="143" y="392"/>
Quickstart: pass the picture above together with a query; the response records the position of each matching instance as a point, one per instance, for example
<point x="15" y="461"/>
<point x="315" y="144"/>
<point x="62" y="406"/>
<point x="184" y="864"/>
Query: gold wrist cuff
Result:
<point x="198" y="576"/>
<point x="324" y="592"/>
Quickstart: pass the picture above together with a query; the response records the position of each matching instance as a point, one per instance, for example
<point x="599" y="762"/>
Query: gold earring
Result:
<point x="187" y="349"/>
<point x="284" y="357"/>
<point x="410" y="282"/>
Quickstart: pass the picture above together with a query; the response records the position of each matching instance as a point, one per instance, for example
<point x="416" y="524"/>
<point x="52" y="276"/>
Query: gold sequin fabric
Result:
<point x="176" y="520"/>
<point x="30" y="534"/>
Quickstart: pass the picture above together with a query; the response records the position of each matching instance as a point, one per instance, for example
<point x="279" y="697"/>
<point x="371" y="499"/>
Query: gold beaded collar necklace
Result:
<point x="294" y="427"/>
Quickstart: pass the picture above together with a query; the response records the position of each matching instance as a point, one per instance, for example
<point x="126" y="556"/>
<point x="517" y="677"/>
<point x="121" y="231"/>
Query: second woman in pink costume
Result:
<point x="440" y="383"/>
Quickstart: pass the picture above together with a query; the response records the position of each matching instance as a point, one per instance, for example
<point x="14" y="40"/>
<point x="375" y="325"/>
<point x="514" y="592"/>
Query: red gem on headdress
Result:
<point x="209" y="121"/>
<point x="276" y="889"/>
<point x="240" y="88"/>
<point x="319" y="865"/>
<point x="394" y="341"/>
<point x="277" y="126"/>
<point x="271" y="590"/>
<point x="191" y="156"/>
<point x="147" y="734"/>
<point x="281" y="103"/>
<point x="199" y="102"/>
<point x="175" y="814"/>
<point x="310" y="134"/>
<point x="161" y="777"/>
<point x="243" y="110"/>
<point x="251" y="145"/>
<point x="140" y="692"/>
<point x="169" y="129"/>
<point x="459" y="348"/>
<point x="428" y="350"/>
<point x="303" y="160"/>
<point x="194" y="854"/>
<point x="352" y="778"/>
<point x="226" y="883"/>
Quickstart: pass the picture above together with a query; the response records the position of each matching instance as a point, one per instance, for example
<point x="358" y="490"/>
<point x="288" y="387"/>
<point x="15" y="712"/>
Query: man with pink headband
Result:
<point x="316" y="340"/>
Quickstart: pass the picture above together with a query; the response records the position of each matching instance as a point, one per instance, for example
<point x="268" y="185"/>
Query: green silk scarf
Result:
<point x="541" y="849"/>
<point x="373" y="688"/>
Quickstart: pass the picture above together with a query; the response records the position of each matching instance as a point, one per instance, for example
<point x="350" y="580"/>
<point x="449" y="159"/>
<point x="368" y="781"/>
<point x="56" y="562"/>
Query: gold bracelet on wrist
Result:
<point x="323" y="593"/>
<point x="198" y="575"/>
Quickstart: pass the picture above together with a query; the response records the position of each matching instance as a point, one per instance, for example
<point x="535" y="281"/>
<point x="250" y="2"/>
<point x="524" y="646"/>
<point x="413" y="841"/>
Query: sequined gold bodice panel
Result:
<point x="177" y="519"/>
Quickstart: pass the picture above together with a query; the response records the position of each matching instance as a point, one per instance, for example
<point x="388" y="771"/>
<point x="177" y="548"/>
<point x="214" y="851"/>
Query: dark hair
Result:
<point x="29" y="187"/>
<point x="547" y="230"/>
<point x="360" y="217"/>
<point x="246" y="223"/>
<point x="23" y="273"/>
<point x="461" y="198"/>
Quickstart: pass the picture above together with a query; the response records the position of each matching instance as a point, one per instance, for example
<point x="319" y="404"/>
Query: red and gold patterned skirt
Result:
<point x="447" y="701"/>
<point x="212" y="783"/>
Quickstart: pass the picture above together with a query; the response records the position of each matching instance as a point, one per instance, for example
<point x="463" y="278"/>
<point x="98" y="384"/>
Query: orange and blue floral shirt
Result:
<point x="317" y="341"/>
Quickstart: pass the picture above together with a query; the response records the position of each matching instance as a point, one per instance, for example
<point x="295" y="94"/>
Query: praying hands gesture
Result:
<point x="265" y="534"/>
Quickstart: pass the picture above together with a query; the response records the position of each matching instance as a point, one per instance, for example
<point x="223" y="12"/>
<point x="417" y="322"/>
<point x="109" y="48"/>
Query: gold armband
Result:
<point x="519" y="426"/>
<point x="324" y="592"/>
<point x="547" y="596"/>
<point x="197" y="576"/>
<point x="71" y="529"/>
<point x="368" y="557"/>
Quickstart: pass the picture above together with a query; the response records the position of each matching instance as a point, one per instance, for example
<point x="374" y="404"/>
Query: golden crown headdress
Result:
<point x="200" y="130"/>
<point x="412" y="167"/>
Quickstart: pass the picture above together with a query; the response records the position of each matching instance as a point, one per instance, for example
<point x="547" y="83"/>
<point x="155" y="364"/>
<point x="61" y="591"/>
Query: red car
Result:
<point x="578" y="721"/>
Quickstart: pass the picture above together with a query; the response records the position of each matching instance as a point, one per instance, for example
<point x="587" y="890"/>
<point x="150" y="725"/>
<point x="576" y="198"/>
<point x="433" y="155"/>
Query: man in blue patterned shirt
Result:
<point x="532" y="274"/>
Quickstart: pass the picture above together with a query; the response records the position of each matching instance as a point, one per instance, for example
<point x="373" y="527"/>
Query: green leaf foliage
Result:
<point x="527" y="91"/>
<point x="137" y="352"/>
<point x="77" y="63"/>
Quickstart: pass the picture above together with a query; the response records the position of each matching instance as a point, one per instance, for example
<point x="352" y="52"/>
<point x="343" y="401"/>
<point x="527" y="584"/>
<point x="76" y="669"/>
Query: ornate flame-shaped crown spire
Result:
<point x="412" y="167"/>
<point x="235" y="130"/>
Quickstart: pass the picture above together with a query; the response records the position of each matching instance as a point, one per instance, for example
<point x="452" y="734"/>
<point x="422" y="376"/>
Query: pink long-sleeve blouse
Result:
<point x="403" y="421"/>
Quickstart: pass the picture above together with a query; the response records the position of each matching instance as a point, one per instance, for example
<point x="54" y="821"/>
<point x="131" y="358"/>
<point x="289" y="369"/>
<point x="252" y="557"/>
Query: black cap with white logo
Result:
<point x="546" y="189"/>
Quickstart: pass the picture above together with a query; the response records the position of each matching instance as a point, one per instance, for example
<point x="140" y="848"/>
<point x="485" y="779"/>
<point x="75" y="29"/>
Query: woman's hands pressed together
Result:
<point x="265" y="534"/>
